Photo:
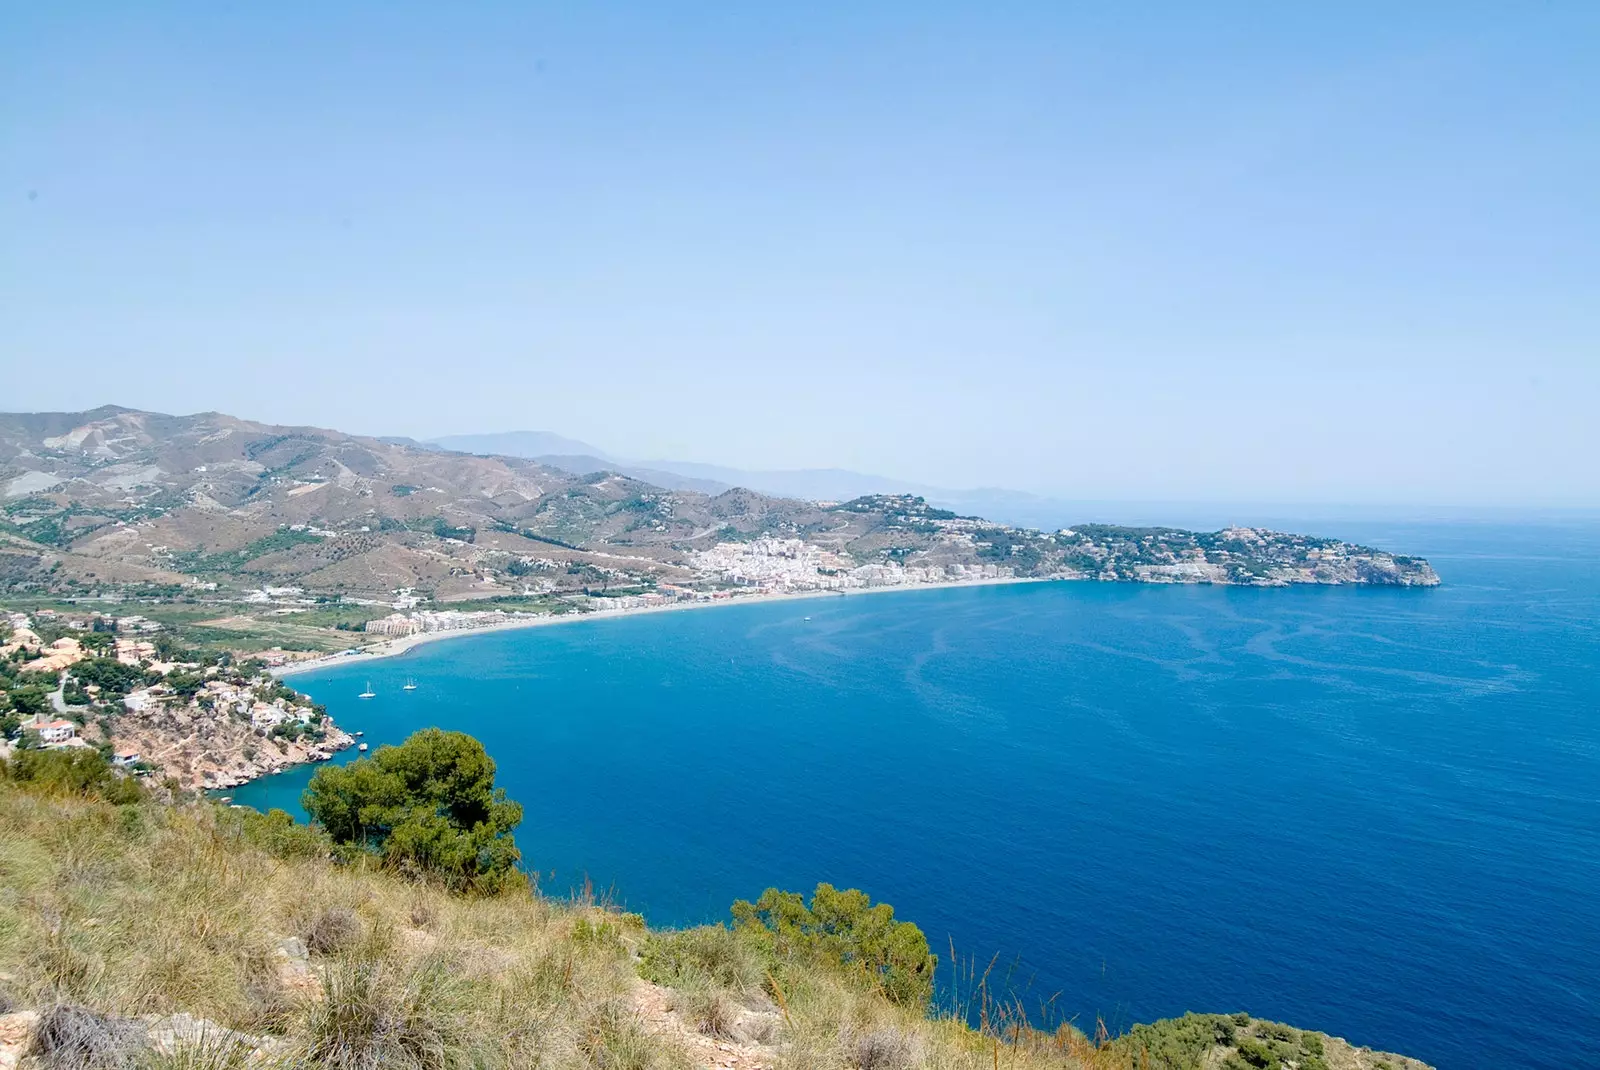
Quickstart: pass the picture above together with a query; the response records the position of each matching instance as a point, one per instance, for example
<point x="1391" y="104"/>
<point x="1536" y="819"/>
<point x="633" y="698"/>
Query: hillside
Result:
<point x="118" y="501"/>
<point x="188" y="935"/>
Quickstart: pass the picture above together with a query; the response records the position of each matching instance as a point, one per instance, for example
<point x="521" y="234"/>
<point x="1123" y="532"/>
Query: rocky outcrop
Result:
<point x="206" y="749"/>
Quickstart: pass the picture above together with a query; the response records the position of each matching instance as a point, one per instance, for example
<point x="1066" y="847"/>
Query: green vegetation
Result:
<point x="445" y="530"/>
<point x="112" y="677"/>
<point x="72" y="771"/>
<point x="844" y="928"/>
<point x="428" y="806"/>
<point x="1184" y="1043"/>
<point x="1020" y="549"/>
<point x="22" y="694"/>
<point x="895" y="507"/>
<point x="229" y="561"/>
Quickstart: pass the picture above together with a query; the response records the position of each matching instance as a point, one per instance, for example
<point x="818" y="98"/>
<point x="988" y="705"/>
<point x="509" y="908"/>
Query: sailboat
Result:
<point x="368" y="693"/>
<point x="411" y="685"/>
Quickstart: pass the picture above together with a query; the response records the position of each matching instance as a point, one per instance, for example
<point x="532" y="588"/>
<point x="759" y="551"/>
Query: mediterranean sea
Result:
<point x="1374" y="812"/>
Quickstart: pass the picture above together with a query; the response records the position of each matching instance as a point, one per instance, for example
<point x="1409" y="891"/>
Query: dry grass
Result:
<point x="153" y="910"/>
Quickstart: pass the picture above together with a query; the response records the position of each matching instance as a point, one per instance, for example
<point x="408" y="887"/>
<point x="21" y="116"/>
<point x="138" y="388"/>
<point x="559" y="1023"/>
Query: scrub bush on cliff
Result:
<point x="427" y="806"/>
<point x="71" y="771"/>
<point x="844" y="927"/>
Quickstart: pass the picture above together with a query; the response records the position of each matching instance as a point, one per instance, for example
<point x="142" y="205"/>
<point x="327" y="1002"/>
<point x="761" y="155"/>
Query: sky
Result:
<point x="1304" y="253"/>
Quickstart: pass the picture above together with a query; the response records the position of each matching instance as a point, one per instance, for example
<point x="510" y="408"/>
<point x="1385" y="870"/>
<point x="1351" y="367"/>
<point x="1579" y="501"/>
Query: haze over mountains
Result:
<point x="998" y="503"/>
<point x="815" y="484"/>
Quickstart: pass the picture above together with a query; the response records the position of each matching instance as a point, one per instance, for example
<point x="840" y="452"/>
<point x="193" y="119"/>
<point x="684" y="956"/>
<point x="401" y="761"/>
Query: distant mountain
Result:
<point x="517" y="444"/>
<point x="814" y="484"/>
<point x="583" y="464"/>
<point x="810" y="484"/>
<point x="402" y="440"/>
<point x="101" y="500"/>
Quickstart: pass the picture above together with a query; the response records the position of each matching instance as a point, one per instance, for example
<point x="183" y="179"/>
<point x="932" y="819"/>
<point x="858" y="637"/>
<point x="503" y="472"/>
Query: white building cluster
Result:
<point x="795" y="565"/>
<point x="239" y="699"/>
<point x="444" y="620"/>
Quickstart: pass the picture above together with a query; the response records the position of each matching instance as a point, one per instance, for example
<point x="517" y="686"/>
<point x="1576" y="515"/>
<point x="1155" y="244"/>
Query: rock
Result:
<point x="185" y="1032"/>
<point x="293" y="969"/>
<point x="16" y="1036"/>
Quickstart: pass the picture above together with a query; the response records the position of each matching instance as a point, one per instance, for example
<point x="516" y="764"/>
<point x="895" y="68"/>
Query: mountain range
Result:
<point x="99" y="500"/>
<point x="815" y="484"/>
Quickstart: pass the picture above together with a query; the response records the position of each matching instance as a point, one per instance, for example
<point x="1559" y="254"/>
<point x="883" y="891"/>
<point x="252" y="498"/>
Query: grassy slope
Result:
<point x="147" y="909"/>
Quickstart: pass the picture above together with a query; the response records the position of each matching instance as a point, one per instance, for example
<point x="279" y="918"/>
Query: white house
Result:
<point x="56" y="732"/>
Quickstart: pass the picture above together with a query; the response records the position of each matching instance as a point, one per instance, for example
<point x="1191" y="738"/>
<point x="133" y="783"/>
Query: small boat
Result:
<point x="411" y="685"/>
<point x="362" y="747"/>
<point x="368" y="693"/>
<point x="807" y="618"/>
<point x="360" y="733"/>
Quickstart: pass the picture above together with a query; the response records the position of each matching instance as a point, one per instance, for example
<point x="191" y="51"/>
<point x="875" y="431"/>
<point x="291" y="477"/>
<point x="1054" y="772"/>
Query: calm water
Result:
<point x="1366" y="811"/>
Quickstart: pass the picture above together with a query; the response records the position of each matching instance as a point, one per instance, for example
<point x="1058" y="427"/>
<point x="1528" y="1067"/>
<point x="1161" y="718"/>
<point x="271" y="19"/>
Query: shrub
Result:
<point x="428" y="806"/>
<point x="375" y="1018"/>
<point x="72" y="771"/>
<point x="615" y="1039"/>
<point x="883" y="1049"/>
<point x="70" y="1037"/>
<point x="280" y="835"/>
<point x="710" y="1009"/>
<point x="1255" y="1053"/>
<point x="334" y="930"/>
<point x="711" y="952"/>
<point x="844" y="927"/>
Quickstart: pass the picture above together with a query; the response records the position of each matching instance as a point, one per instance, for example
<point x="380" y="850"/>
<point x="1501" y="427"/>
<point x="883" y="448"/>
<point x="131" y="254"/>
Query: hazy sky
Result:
<point x="1189" y="251"/>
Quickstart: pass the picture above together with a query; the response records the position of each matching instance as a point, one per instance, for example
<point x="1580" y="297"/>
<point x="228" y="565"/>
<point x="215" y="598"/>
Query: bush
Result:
<point x="334" y="930"/>
<point x="377" y="1018"/>
<point x="713" y="953"/>
<point x="1255" y="1053"/>
<point x="112" y="677"/>
<point x="845" y="928"/>
<point x="428" y="806"/>
<point x="883" y="1049"/>
<point x="70" y="1037"/>
<point x="280" y="835"/>
<point x="72" y="771"/>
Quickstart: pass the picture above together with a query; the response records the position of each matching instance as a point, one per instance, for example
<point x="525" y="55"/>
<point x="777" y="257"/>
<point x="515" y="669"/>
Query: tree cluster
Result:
<point x="428" y="806"/>
<point x="844" y="927"/>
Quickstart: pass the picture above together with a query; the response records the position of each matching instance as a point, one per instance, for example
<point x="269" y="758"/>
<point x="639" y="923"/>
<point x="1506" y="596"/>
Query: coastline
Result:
<point x="394" y="647"/>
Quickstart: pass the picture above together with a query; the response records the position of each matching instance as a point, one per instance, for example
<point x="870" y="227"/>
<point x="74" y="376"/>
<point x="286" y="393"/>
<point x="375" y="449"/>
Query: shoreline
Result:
<point x="394" y="647"/>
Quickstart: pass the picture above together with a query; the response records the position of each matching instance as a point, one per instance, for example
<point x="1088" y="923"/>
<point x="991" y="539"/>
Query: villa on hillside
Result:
<point x="57" y="733"/>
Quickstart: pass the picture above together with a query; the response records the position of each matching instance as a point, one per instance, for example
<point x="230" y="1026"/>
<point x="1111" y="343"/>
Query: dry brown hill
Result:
<point x="115" y="496"/>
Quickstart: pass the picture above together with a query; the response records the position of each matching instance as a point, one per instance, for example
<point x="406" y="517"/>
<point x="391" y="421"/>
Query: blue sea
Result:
<point x="1367" y="811"/>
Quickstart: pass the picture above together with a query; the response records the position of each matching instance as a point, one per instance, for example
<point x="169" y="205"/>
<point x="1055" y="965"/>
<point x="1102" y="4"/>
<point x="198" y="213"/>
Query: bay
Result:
<point x="1367" y="811"/>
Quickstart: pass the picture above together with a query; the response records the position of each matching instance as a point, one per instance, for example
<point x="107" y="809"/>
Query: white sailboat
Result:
<point x="411" y="685"/>
<point x="368" y="693"/>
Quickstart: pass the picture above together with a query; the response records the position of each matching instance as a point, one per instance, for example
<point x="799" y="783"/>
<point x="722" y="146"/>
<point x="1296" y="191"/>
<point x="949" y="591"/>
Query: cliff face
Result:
<point x="212" y="748"/>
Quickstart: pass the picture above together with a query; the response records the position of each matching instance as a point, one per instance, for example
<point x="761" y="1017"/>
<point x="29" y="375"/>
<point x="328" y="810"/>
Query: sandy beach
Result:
<point x="392" y="647"/>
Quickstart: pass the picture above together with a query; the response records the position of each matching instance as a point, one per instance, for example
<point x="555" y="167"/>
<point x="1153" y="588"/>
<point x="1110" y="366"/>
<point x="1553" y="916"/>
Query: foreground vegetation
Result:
<point x="118" y="913"/>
